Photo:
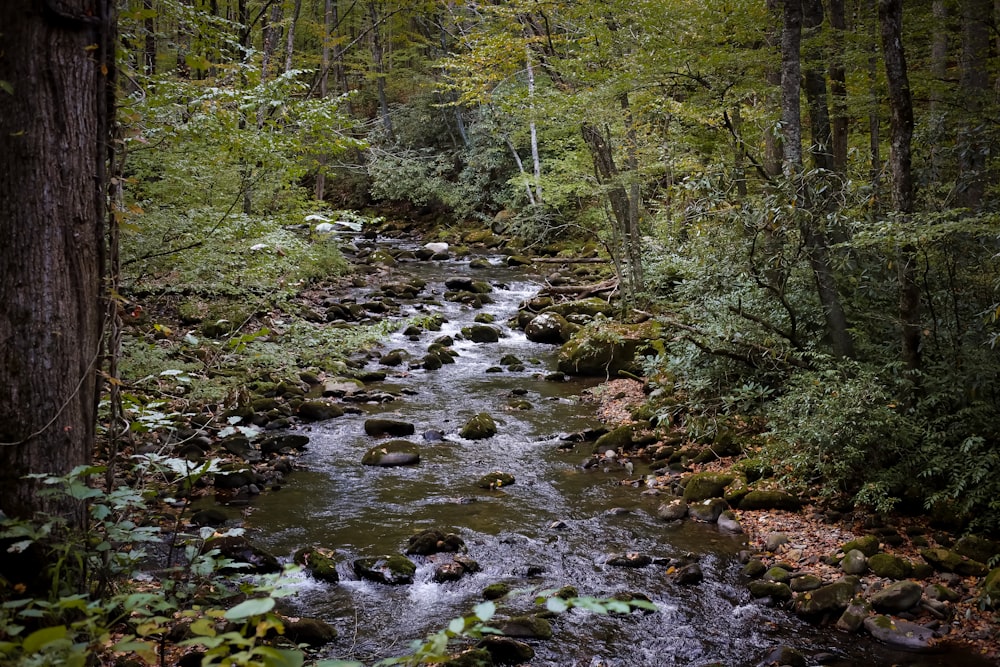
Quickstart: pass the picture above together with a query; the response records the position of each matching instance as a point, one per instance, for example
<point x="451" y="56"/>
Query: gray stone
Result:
<point x="547" y="328"/>
<point x="775" y="540"/>
<point x="728" y="523"/>
<point x="708" y="511"/>
<point x="392" y="454"/>
<point x="673" y="510"/>
<point x="854" y="562"/>
<point x="854" y="616"/>
<point x="897" y="632"/>
<point x="899" y="597"/>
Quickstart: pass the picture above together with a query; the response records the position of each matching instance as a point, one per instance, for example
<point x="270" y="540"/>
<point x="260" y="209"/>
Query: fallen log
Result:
<point x="582" y="291"/>
<point x="571" y="260"/>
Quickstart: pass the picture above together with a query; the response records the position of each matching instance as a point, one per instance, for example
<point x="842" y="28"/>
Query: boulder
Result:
<point x="277" y="444"/>
<point x="830" y="599"/>
<point x="392" y="570"/>
<point x="380" y="426"/>
<point x="589" y="307"/>
<point x="481" y="333"/>
<point x="480" y="427"/>
<point x="990" y="593"/>
<point x="897" y="632"/>
<point x="526" y="627"/>
<point x="495" y="480"/>
<point x="319" y="563"/>
<point x="619" y="438"/>
<point x="239" y="550"/>
<point x="897" y="598"/>
<point x="854" y="562"/>
<point x="606" y="350"/>
<point x="704" y="485"/>
<point x="633" y="560"/>
<point x="949" y="561"/>
<point x="673" y="510"/>
<point x="310" y="631"/>
<point x="547" y="328"/>
<point x="689" y="574"/>
<point x="754" y="569"/>
<point x="889" y="566"/>
<point x="708" y="511"/>
<point x="805" y="583"/>
<point x="868" y="545"/>
<point x="729" y="523"/>
<point x="473" y="657"/>
<point x="770" y="500"/>
<point x="854" y="616"/>
<point x="786" y="656"/>
<point x="431" y="541"/>
<point x="506" y="651"/>
<point x="392" y="454"/>
<point x="319" y="410"/>
<point x="976" y="548"/>
<point x="771" y="590"/>
<point x="778" y="574"/>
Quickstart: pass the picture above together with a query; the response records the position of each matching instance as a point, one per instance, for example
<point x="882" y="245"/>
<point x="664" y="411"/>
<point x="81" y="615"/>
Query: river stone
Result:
<point x="775" y="540"/>
<point x="889" y="566"/>
<point x="805" y="583"/>
<point x="392" y="570"/>
<point x="689" y="574"/>
<point x="854" y="562"/>
<point x="729" y="523"/>
<point x="437" y="246"/>
<point x="868" y="545"/>
<point x="239" y="445"/>
<point x="319" y="563"/>
<point x="473" y="657"/>
<point x="590" y="307"/>
<point x="708" y="511"/>
<point x="754" y="569"/>
<point x="451" y="571"/>
<point x="770" y="500"/>
<point x="606" y="351"/>
<point x="989" y="596"/>
<point x="495" y="480"/>
<point x="897" y="632"/>
<point x="976" y="548"/>
<point x="209" y="517"/>
<point x="547" y="328"/>
<point x="393" y="358"/>
<point x="392" y="454"/>
<point x="899" y="597"/>
<point x="942" y="593"/>
<point x="481" y="333"/>
<point x="830" y="599"/>
<point x="785" y="656"/>
<point x="496" y="591"/>
<point x="479" y="427"/>
<point x="518" y="260"/>
<point x="319" y="410"/>
<point x="854" y="616"/>
<point x="234" y="480"/>
<point x="618" y="438"/>
<point x="278" y="444"/>
<point x="704" y="485"/>
<point x="778" y="574"/>
<point x="949" y="561"/>
<point x="311" y="631"/>
<point x="772" y="590"/>
<point x="239" y="550"/>
<point x="633" y="560"/>
<point x="432" y="541"/>
<point x="379" y="426"/>
<point x="673" y="510"/>
<point x="506" y="651"/>
<point x="526" y="627"/>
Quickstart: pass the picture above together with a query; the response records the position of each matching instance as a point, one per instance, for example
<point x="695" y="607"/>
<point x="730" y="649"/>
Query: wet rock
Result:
<point x="705" y="485"/>
<point x="239" y="445"/>
<point x="239" y="550"/>
<point x="708" y="511"/>
<point x="310" y="631"/>
<point x="319" y="410"/>
<point x="689" y="574"/>
<point x="673" y="510"/>
<point x="770" y="500"/>
<point x="479" y="427"/>
<point x="235" y="479"/>
<point x="480" y="263"/>
<point x="729" y="523"/>
<point x="785" y="656"/>
<point x="868" y="545"/>
<point x="518" y="260"/>
<point x="526" y="627"/>
<point x="615" y="348"/>
<point x="589" y="307"/>
<point x="897" y="632"/>
<point x="547" y="328"/>
<point x="432" y="541"/>
<point x="437" y="246"/>
<point x="481" y="333"/>
<point x="451" y="571"/>
<point x="989" y="596"/>
<point x="281" y="443"/>
<point x="393" y="570"/>
<point x="773" y="591"/>
<point x="495" y="480"/>
<point x="614" y="440"/>
<point x="899" y="597"/>
<point x="754" y="568"/>
<point x="805" y="583"/>
<point x="633" y="560"/>
<point x="496" y="591"/>
<point x="854" y="562"/>
<point x="827" y="600"/>
<point x="506" y="651"/>
<point x="392" y="454"/>
<point x="473" y="657"/>
<point x="320" y="563"/>
<point x="944" y="560"/>
<point x="380" y="426"/>
<point x="209" y="517"/>
<point x="393" y="358"/>
<point x="854" y="616"/>
<point x="431" y="362"/>
<point x="433" y="435"/>
<point x="889" y="566"/>
<point x="774" y="540"/>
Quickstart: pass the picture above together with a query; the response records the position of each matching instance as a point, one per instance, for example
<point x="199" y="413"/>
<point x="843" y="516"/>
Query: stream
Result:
<point x="555" y="526"/>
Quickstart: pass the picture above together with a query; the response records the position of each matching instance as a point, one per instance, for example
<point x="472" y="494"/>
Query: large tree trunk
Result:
<point x="814" y="78"/>
<point x="838" y="87"/>
<point x="974" y="85"/>
<point x="54" y="131"/>
<point x="890" y="14"/>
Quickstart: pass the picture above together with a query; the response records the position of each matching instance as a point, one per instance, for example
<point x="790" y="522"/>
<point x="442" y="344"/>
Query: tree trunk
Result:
<point x="633" y="235"/>
<point x="377" y="59"/>
<point x="773" y="148"/>
<point x="791" y="77"/>
<point x="290" y="38"/>
<point x="890" y="13"/>
<point x="272" y="35"/>
<point x="815" y="87"/>
<point x="974" y="87"/>
<point x="874" y="119"/>
<point x="939" y="73"/>
<point x="838" y="87"/>
<point x="149" y="40"/>
<point x="536" y="161"/>
<point x="54" y="140"/>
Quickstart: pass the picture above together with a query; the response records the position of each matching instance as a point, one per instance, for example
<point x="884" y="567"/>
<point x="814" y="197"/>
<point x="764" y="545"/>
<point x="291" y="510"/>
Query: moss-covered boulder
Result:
<point x="318" y="562"/>
<point x="526" y="627"/>
<point x="854" y="562"/>
<point x="481" y="333"/>
<point x="381" y="426"/>
<point x="549" y="328"/>
<point x="990" y="593"/>
<point x="393" y="570"/>
<point x="473" y="657"/>
<point x="310" y="631"/>
<point x="433" y="541"/>
<point x="778" y="574"/>
<point x="897" y="598"/>
<point x="239" y="550"/>
<point x="897" y="632"/>
<point x="495" y="480"/>
<point x="480" y="427"/>
<point x="608" y="349"/>
<point x="868" y="545"/>
<point x="775" y="591"/>
<point x="854" y="616"/>
<point x="889" y="566"/>
<point x="948" y="561"/>
<point x="589" y="307"/>
<point x="704" y="485"/>
<point x="507" y="651"/>
<point x="977" y="548"/>
<point x="767" y="499"/>
<point x="392" y="454"/>
<point x="319" y="410"/>
<point x="707" y="511"/>
<point x="614" y="440"/>
<point x="496" y="591"/>
<point x="830" y="599"/>
<point x="673" y="510"/>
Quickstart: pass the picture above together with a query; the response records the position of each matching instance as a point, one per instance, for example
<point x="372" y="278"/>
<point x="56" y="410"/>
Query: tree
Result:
<point x="56" y="93"/>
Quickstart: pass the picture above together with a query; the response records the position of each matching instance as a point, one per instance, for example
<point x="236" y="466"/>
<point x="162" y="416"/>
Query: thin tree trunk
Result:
<point x="838" y="87"/>
<point x="773" y="149"/>
<point x="974" y="86"/>
<point x="939" y="72"/>
<point x="633" y="235"/>
<point x="890" y="13"/>
<point x="290" y="38"/>
<point x="535" y="159"/>
<point x="377" y="58"/>
<point x="815" y="87"/>
<point x="520" y="170"/>
<point x="272" y="35"/>
<point x="324" y="77"/>
<point x="149" y="41"/>
<point x="874" y="119"/>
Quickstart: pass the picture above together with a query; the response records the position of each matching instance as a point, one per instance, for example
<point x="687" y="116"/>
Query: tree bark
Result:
<point x="54" y="138"/>
<point x="974" y="86"/>
<point x="838" y="88"/>
<point x="890" y="13"/>
<point x="815" y="88"/>
<point x="290" y="37"/>
<point x="378" y="61"/>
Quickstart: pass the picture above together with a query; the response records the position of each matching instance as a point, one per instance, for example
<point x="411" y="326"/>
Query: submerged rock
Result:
<point x="379" y="426"/>
<point x="393" y="570"/>
<point x="391" y="454"/>
<point x="310" y="631"/>
<point x="432" y="541"/>
<point x="495" y="480"/>
<point x="239" y="550"/>
<point x="479" y="427"/>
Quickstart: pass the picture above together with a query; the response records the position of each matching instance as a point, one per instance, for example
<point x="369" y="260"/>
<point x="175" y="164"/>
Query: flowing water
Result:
<point x="555" y="526"/>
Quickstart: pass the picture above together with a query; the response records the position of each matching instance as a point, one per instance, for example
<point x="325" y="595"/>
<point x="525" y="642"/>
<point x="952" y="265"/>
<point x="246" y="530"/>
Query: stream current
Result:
<point x="555" y="526"/>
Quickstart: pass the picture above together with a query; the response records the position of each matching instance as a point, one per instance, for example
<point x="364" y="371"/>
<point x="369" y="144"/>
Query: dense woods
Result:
<point x="804" y="193"/>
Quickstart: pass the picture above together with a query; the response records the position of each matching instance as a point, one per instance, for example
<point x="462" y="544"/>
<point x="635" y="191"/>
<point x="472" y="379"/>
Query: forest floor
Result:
<point x="813" y="537"/>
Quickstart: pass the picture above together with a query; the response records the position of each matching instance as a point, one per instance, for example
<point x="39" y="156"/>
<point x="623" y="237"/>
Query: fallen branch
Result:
<point x="582" y="291"/>
<point x="571" y="260"/>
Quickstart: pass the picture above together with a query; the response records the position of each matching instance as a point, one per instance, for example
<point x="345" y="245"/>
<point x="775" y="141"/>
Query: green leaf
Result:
<point x="6" y="87"/>
<point x="34" y="642"/>
<point x="456" y="626"/>
<point x="279" y="657"/>
<point x="339" y="663"/>
<point x="485" y="610"/>
<point x="556" y="605"/>
<point x="248" y="608"/>
<point x="204" y="627"/>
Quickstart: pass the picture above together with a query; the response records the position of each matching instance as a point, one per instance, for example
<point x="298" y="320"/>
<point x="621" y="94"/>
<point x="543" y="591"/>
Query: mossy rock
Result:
<point x="897" y="598"/>
<point x="805" y="583"/>
<point x="518" y="260"/>
<point x="239" y="550"/>
<point x="830" y="599"/>
<point x="977" y="548"/>
<point x="949" y="561"/>
<point x="609" y="350"/>
<point x="319" y="563"/>
<point x="319" y="410"/>
<point x="496" y="591"/>
<point x="763" y="499"/>
<point x="754" y="569"/>
<point x="868" y="545"/>
<point x="591" y="307"/>
<point x="495" y="480"/>
<point x="507" y="651"/>
<point x="989" y="595"/>
<point x="473" y="657"/>
<point x="619" y="438"/>
<point x="382" y="257"/>
<point x="854" y="562"/>
<point x="778" y="574"/>
<point x="393" y="570"/>
<point x="754" y="469"/>
<point x="549" y="328"/>
<point x="392" y="454"/>
<point x="379" y="426"/>
<point x="736" y="491"/>
<point x="433" y="541"/>
<point x="480" y="427"/>
<point x="526" y="627"/>
<point x="774" y="590"/>
<point x="481" y="333"/>
<point x="708" y="510"/>
<point x="310" y="631"/>
<point x="889" y="566"/>
<point x="704" y="485"/>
